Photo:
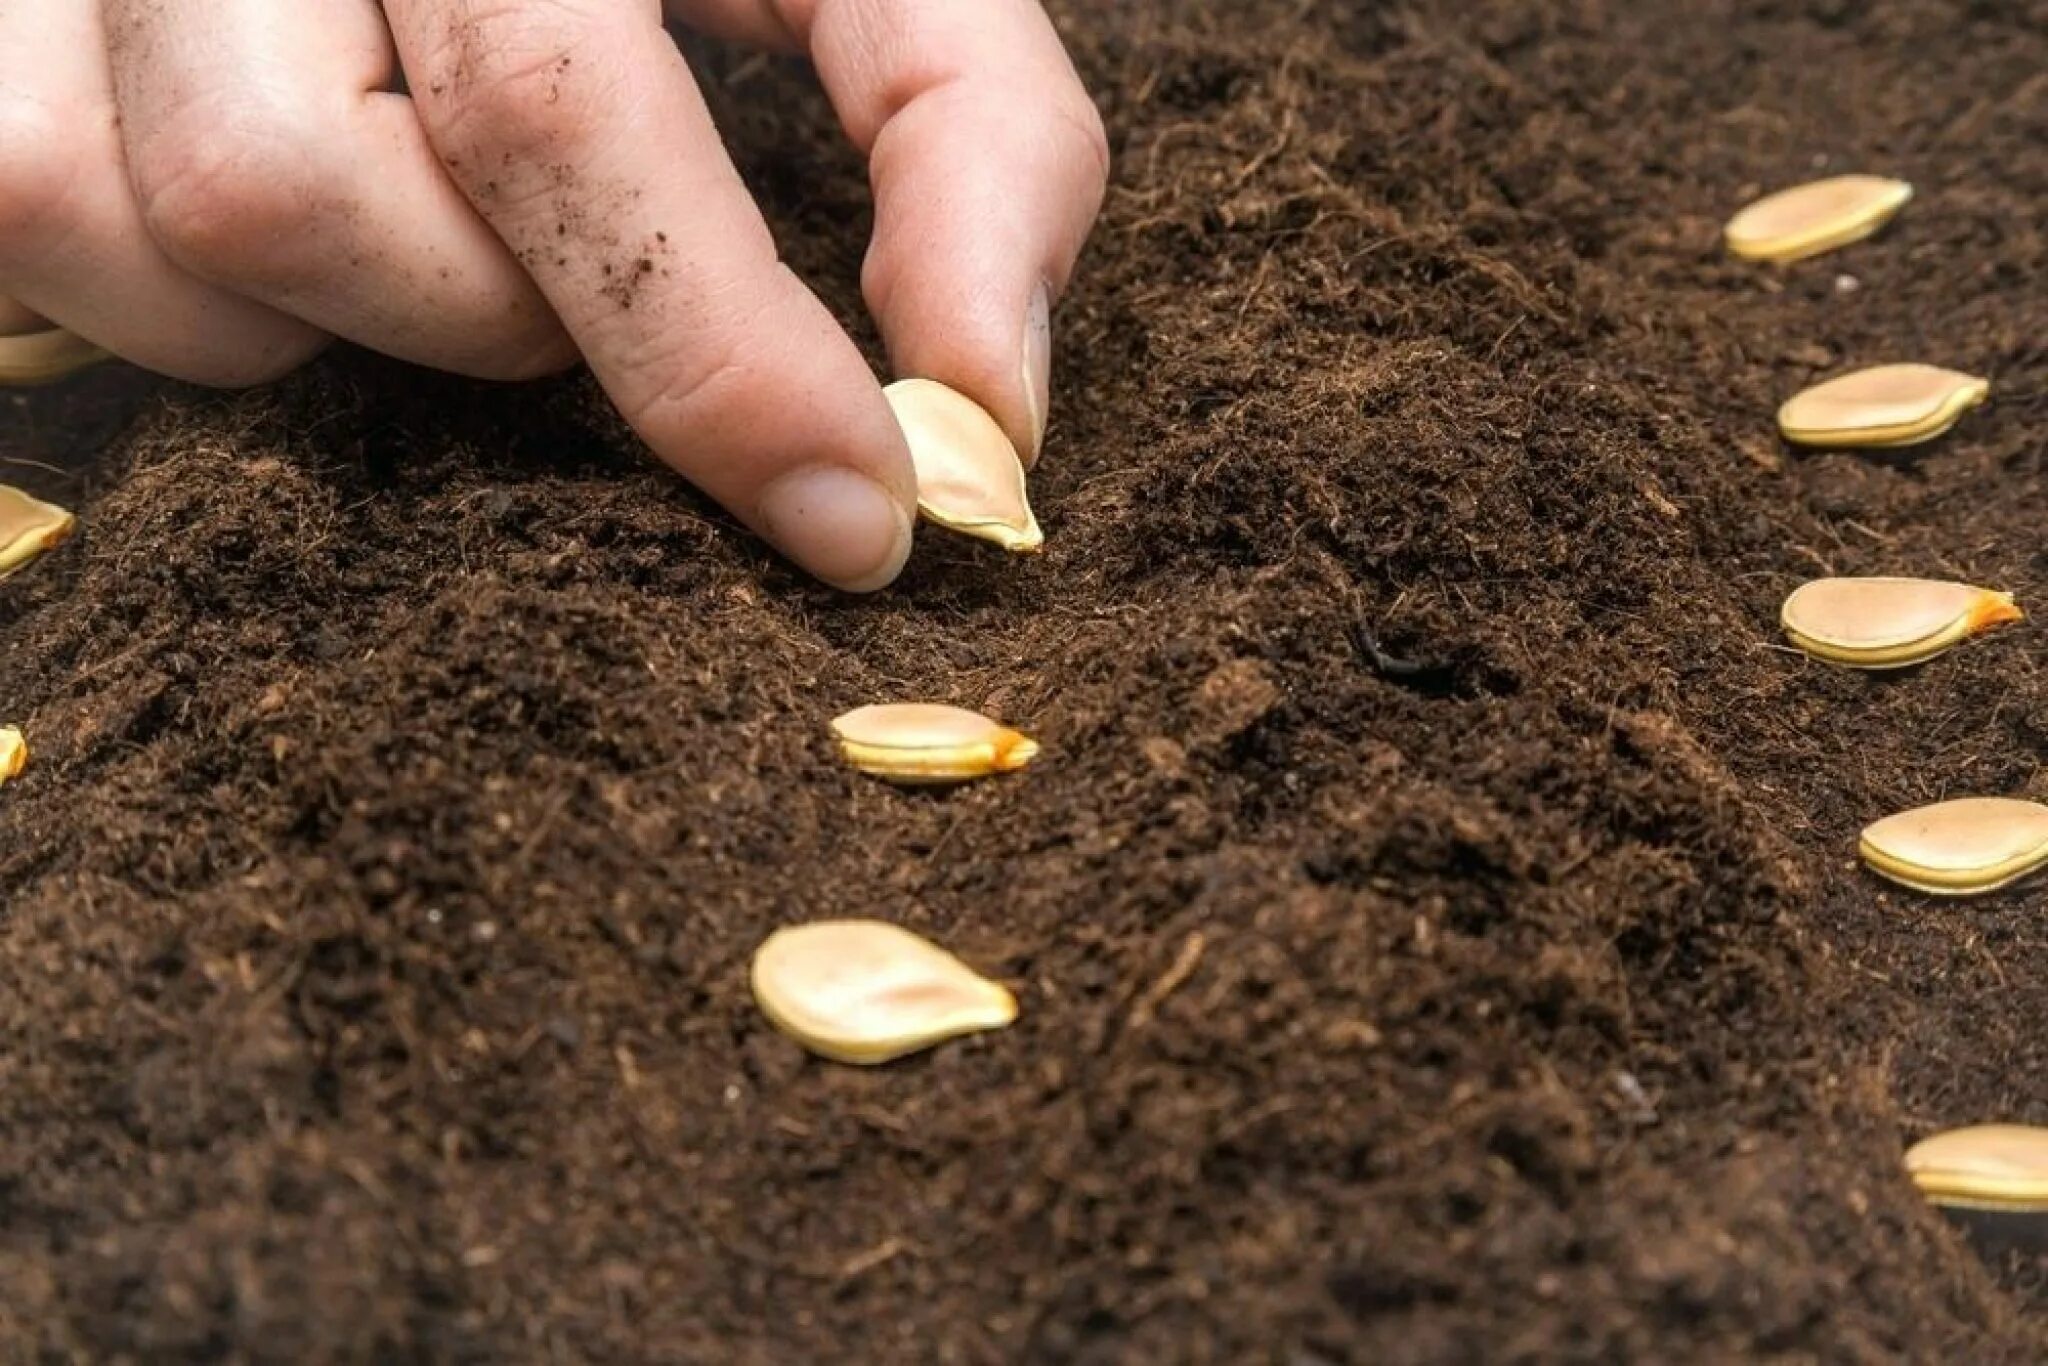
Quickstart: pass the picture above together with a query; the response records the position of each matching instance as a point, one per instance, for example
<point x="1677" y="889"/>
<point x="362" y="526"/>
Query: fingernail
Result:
<point x="1038" y="364"/>
<point x="839" y="524"/>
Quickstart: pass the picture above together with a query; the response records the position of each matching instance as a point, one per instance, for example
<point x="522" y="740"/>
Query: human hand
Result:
<point x="212" y="188"/>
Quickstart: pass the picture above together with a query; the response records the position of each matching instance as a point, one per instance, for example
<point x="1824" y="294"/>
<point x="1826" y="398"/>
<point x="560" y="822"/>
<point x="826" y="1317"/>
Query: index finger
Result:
<point x="575" y="128"/>
<point x="989" y="164"/>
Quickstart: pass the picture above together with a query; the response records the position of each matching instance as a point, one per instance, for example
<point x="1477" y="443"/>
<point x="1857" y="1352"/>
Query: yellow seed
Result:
<point x="1890" y="623"/>
<point x="1807" y="220"/>
<point x="1997" y="1167"/>
<point x="44" y="357"/>
<point x="969" y="478"/>
<point x="923" y="742"/>
<point x="1887" y="405"/>
<point x="28" y="527"/>
<point x="1960" y="848"/>
<point x="13" y="753"/>
<point x="862" y="991"/>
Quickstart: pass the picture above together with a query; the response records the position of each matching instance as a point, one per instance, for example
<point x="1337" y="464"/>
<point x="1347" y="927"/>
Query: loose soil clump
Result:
<point x="1435" y="912"/>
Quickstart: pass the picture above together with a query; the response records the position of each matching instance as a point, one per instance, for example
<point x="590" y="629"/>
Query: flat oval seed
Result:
<point x="44" y="357"/>
<point x="1890" y="623"/>
<point x="1807" y="220"/>
<point x="28" y="527"/>
<point x="13" y="753"/>
<point x="862" y="991"/>
<point x="1999" y="1167"/>
<point x="1960" y="848"/>
<point x="924" y="742"/>
<point x="1887" y="405"/>
<point x="969" y="478"/>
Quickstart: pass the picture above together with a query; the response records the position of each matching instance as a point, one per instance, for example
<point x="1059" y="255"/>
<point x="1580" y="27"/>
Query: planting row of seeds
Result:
<point x="866" y="992"/>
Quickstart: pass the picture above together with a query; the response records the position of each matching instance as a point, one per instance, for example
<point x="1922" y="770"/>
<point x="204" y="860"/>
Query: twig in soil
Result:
<point x="1393" y="666"/>
<point x="1175" y="977"/>
<point x="887" y="1250"/>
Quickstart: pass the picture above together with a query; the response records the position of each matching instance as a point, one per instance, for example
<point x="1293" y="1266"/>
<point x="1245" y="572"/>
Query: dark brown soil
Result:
<point x="416" y="769"/>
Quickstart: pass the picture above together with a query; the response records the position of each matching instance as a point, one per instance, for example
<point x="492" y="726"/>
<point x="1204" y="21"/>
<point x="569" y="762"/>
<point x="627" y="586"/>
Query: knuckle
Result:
<point x="234" y="194"/>
<point x="503" y="79"/>
<point x="39" y="160"/>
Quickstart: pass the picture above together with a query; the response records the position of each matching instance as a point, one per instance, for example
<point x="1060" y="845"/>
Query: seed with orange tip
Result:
<point x="863" y="991"/>
<point x="921" y="743"/>
<point x="1881" y="623"/>
<point x="13" y="753"/>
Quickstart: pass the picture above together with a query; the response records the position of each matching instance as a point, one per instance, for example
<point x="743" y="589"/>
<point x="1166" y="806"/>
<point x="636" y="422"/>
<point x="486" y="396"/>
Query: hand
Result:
<point x="212" y="188"/>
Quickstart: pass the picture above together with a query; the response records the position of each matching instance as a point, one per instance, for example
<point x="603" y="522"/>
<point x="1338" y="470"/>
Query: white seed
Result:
<point x="862" y="991"/>
<point x="28" y="527"/>
<point x="1807" y="220"/>
<point x="44" y="357"/>
<point x="922" y="742"/>
<point x="969" y="478"/>
<point x="1997" y="1167"/>
<point x="1886" y="405"/>
<point x="13" y="753"/>
<point x="1960" y="848"/>
<point x="1890" y="623"/>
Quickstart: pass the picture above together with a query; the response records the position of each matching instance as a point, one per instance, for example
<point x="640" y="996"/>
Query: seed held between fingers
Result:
<point x="44" y="357"/>
<point x="28" y="527"/>
<point x="1886" y="405"/>
<point x="13" y="753"/>
<point x="969" y="478"/>
<point x="1965" y="847"/>
<point x="864" y="992"/>
<point x="2001" y="1168"/>
<point x="1883" y="623"/>
<point x="1807" y="220"/>
<point x="918" y="743"/>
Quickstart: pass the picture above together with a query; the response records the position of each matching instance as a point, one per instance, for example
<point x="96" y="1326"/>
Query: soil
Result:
<point x="1435" y="913"/>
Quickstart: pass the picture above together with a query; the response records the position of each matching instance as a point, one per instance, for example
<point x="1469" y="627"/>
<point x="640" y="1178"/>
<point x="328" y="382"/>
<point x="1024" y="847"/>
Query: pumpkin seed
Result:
<point x="2002" y="1168"/>
<point x="28" y="527"/>
<point x="1807" y="220"/>
<point x="1890" y="623"/>
<point x="1886" y="405"/>
<point x="44" y="357"/>
<point x="921" y="742"/>
<point x="862" y="991"/>
<point x="969" y="478"/>
<point x="1960" y="848"/>
<point x="13" y="753"/>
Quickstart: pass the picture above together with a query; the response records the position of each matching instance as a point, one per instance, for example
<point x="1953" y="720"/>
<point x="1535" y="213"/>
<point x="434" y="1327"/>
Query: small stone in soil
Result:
<point x="1964" y="847"/>
<point x="919" y="743"/>
<point x="1887" y="405"/>
<point x="1885" y="623"/>
<point x="1809" y="219"/>
<point x="864" y="992"/>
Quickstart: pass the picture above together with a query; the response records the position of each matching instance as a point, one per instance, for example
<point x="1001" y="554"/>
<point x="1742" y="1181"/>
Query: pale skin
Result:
<point x="215" y="189"/>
